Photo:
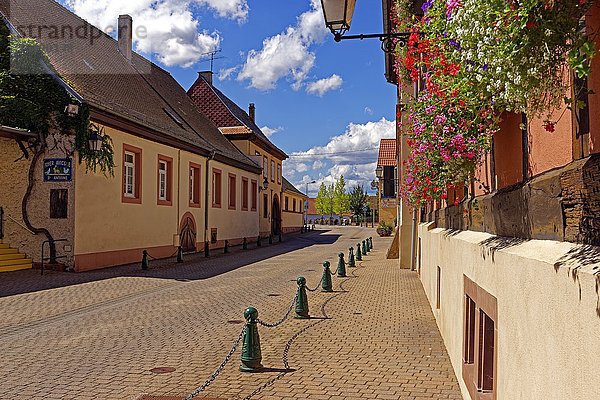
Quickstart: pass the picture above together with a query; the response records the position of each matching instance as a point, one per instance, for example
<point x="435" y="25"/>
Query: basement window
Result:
<point x="486" y="353"/>
<point x="469" y="346"/>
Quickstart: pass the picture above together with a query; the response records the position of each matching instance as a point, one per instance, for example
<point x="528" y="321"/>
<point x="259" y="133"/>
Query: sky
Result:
<point x="326" y="104"/>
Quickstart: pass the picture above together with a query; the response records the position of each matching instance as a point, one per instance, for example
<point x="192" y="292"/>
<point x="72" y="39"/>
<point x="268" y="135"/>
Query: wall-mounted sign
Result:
<point x="58" y="170"/>
<point x="389" y="203"/>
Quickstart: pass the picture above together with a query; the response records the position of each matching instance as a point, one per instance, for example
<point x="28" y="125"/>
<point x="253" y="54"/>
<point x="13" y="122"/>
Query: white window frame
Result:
<point x="162" y="180"/>
<point x="192" y="184"/>
<point x="265" y="167"/>
<point x="129" y="173"/>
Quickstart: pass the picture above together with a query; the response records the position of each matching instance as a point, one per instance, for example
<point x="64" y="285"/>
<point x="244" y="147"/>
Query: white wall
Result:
<point x="548" y="323"/>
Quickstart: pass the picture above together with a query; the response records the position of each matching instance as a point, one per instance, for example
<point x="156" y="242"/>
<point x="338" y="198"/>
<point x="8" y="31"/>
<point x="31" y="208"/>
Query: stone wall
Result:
<point x="562" y="204"/>
<point x="14" y="168"/>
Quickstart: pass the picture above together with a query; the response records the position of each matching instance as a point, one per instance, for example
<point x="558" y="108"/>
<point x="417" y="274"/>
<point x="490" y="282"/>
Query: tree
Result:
<point x="341" y="204"/>
<point x="357" y="200"/>
<point x="320" y="201"/>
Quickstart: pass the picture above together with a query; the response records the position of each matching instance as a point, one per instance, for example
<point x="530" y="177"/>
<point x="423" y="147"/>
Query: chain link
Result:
<point x="282" y="320"/>
<point x="220" y="368"/>
<point x="171" y="256"/>
<point x="315" y="289"/>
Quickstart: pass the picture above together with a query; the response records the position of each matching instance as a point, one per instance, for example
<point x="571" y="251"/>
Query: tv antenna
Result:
<point x="211" y="56"/>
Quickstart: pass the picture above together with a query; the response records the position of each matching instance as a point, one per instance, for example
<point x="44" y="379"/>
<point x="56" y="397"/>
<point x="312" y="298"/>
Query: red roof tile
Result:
<point x="387" y="153"/>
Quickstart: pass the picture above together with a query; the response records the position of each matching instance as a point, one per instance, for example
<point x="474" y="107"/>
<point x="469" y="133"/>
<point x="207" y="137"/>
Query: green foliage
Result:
<point x="341" y="203"/>
<point x="324" y="202"/>
<point x="357" y="200"/>
<point x="31" y="99"/>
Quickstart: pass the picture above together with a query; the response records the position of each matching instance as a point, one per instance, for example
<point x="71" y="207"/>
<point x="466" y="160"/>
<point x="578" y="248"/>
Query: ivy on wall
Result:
<point x="31" y="99"/>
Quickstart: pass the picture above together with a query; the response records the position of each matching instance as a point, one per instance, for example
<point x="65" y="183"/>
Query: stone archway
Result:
<point x="188" y="233"/>
<point x="276" y="216"/>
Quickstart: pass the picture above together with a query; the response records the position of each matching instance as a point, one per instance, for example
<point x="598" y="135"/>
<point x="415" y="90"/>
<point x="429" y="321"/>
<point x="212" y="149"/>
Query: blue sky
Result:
<point x="320" y="97"/>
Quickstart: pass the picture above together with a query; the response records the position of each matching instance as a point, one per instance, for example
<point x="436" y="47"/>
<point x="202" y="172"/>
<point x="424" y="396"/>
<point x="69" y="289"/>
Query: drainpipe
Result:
<point x="413" y="239"/>
<point x="178" y="196"/>
<point x="206" y="194"/>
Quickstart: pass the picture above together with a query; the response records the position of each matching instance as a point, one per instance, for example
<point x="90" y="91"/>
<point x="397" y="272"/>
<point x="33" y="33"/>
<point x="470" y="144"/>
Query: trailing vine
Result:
<point x="32" y="100"/>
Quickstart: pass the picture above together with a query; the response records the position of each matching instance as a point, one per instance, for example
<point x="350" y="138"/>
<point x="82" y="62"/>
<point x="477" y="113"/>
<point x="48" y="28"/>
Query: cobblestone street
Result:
<point x="98" y="335"/>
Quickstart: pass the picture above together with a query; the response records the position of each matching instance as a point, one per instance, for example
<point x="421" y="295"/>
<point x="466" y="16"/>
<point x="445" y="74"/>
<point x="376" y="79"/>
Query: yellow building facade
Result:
<point x="177" y="180"/>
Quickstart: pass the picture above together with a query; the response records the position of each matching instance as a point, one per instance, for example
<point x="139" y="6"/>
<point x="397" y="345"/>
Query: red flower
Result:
<point x="549" y="126"/>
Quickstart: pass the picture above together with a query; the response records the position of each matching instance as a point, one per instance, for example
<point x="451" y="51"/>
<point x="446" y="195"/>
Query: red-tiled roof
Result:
<point x="224" y="113"/>
<point x="312" y="209"/>
<point x="387" y="153"/>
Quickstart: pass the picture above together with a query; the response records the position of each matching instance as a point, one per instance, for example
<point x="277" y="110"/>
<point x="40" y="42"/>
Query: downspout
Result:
<point x="206" y="195"/>
<point x="44" y="231"/>
<point x="413" y="240"/>
<point x="178" y="197"/>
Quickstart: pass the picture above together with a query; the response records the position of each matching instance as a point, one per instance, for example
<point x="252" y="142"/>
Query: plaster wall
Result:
<point x="111" y="232"/>
<point x="232" y="224"/>
<point x="275" y="188"/>
<point x="592" y="20"/>
<point x="508" y="150"/>
<point x="13" y="184"/>
<point x="293" y="220"/>
<point x="548" y="316"/>
<point x="548" y="150"/>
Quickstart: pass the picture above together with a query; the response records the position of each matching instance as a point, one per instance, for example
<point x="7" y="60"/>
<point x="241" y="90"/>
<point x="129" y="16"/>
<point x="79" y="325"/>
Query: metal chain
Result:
<point x="315" y="289"/>
<point x="282" y="320"/>
<point x="220" y="368"/>
<point x="171" y="256"/>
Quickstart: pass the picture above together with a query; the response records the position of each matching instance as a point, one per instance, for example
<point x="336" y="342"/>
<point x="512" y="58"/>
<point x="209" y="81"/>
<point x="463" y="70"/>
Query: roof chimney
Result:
<point x="207" y="75"/>
<point x="125" y="35"/>
<point x="252" y="112"/>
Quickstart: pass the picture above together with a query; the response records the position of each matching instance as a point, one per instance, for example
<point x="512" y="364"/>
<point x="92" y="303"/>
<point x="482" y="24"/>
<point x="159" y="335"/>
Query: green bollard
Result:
<point x="364" y="248"/>
<point x="179" y="255"/>
<point x="358" y="253"/>
<point x="245" y="244"/>
<point x="206" y="250"/>
<point x="371" y="242"/>
<point x="368" y="245"/>
<point x="301" y="300"/>
<point x="258" y="242"/>
<point x="326" y="284"/>
<point x="270" y="239"/>
<point x="280" y="238"/>
<point x="226" y="248"/>
<point x="144" y="260"/>
<point x="251" y="355"/>
<point x="341" y="269"/>
<point x="351" y="262"/>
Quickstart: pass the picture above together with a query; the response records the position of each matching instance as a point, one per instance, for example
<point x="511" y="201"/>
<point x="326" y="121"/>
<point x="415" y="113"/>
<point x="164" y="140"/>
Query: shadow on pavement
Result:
<point x="194" y="267"/>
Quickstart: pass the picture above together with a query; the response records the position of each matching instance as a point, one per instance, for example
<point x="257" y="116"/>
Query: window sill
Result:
<point x="194" y="205"/>
<point x="131" y="200"/>
<point x="164" y="203"/>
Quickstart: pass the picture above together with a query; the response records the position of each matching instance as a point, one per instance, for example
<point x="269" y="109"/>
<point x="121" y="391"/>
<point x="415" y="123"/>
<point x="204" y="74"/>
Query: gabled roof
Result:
<point x="288" y="187"/>
<point x="138" y="93"/>
<point x="387" y="153"/>
<point x="227" y="115"/>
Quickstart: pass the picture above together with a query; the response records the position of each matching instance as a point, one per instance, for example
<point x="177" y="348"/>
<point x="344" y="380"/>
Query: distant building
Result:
<point x="387" y="181"/>
<point x="293" y="208"/>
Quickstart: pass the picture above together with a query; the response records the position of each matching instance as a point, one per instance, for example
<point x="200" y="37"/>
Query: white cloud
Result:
<point x="166" y="29"/>
<point x="232" y="9"/>
<point x="368" y="111"/>
<point x="270" y="131"/>
<point x="226" y="73"/>
<point x="286" y="55"/>
<point x="324" y="85"/>
<point x="352" y="154"/>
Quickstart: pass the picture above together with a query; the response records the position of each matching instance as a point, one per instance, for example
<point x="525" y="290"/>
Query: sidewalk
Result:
<point x="381" y="342"/>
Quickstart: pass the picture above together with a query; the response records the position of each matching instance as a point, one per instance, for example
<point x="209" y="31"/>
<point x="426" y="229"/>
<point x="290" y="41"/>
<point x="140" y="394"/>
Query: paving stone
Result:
<point x="98" y="335"/>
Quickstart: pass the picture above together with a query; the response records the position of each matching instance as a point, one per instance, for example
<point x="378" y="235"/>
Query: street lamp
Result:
<point x="338" y="16"/>
<point x="95" y="141"/>
<point x="265" y="185"/>
<point x="379" y="172"/>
